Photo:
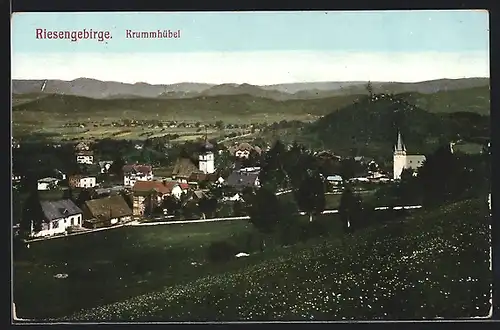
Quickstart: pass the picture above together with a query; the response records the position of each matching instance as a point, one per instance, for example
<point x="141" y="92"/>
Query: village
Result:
<point x="195" y="188"/>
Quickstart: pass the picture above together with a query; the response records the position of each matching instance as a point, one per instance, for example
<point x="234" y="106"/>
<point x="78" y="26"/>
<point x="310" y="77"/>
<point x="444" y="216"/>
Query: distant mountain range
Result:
<point x="97" y="89"/>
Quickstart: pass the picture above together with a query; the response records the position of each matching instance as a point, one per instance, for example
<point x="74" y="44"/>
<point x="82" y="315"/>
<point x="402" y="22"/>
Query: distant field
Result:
<point x="39" y="114"/>
<point x="469" y="148"/>
<point x="56" y="132"/>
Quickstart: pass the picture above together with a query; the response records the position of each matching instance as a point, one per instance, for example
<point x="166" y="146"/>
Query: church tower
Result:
<point x="399" y="158"/>
<point x="206" y="158"/>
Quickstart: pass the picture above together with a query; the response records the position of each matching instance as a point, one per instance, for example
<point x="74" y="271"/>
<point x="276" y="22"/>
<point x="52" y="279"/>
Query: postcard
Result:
<point x="251" y="166"/>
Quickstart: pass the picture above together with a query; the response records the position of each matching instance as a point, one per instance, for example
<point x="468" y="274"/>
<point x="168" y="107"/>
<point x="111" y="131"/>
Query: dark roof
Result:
<point x="184" y="168"/>
<point x="82" y="146"/>
<point x="245" y="146"/>
<point x="239" y="179"/>
<point x="199" y="176"/>
<point x="206" y="146"/>
<point x="84" y="153"/>
<point x="108" y="207"/>
<point x="59" y="209"/>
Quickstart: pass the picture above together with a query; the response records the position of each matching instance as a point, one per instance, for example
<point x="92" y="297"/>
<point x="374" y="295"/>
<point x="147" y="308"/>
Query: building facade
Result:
<point x="80" y="181"/>
<point x="401" y="160"/>
<point x="134" y="173"/>
<point x="58" y="217"/>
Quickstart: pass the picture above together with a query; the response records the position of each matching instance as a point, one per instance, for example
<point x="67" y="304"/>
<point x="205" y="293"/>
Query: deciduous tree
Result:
<point x="207" y="206"/>
<point x="310" y="195"/>
<point x="350" y="210"/>
<point x="32" y="216"/>
<point x="265" y="213"/>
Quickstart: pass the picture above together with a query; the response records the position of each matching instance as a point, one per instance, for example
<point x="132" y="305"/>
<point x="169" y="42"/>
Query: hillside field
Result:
<point x="435" y="264"/>
<point x="117" y="264"/>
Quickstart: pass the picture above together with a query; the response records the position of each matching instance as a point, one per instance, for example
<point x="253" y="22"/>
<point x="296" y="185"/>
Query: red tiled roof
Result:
<point x="137" y="168"/>
<point x="146" y="186"/>
<point x="163" y="187"/>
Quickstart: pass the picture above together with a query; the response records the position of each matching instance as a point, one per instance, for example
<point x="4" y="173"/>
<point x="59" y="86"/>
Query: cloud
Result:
<point x="260" y="68"/>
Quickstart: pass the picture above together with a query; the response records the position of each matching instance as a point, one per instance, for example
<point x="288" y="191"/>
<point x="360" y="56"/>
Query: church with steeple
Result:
<point x="206" y="162"/>
<point x="402" y="161"/>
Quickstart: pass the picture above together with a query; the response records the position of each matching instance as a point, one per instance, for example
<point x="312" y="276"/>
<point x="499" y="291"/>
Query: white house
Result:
<point x="244" y="150"/>
<point x="47" y="183"/>
<point x="58" y="217"/>
<point x="334" y="179"/>
<point x="85" y="157"/>
<point x="135" y="172"/>
<point x="403" y="161"/>
<point x="82" y="181"/>
<point x="16" y="178"/>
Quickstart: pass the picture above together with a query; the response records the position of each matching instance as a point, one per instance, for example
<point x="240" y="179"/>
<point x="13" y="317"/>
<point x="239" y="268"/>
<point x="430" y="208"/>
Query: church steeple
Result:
<point x="400" y="147"/>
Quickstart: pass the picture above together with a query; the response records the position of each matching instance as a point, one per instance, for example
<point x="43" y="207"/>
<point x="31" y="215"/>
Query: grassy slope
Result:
<point x="105" y="267"/>
<point x="436" y="264"/>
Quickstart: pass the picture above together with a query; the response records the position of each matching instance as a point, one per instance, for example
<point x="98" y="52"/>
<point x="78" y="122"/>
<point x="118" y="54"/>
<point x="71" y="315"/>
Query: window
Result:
<point x="55" y="224"/>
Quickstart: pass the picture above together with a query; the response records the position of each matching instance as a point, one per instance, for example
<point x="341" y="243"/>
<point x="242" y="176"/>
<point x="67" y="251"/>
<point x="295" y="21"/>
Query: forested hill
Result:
<point x="369" y="126"/>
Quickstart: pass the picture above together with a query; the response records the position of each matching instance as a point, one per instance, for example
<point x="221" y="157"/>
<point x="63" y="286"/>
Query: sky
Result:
<point x="256" y="47"/>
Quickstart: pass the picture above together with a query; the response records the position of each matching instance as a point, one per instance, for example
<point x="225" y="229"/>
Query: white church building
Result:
<point x="402" y="161"/>
<point x="206" y="161"/>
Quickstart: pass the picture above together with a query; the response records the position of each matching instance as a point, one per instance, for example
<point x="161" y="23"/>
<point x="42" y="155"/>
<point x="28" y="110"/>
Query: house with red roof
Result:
<point x="154" y="192"/>
<point x="136" y="172"/>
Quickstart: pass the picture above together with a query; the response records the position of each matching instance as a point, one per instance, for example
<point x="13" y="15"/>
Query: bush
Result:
<point x="222" y="251"/>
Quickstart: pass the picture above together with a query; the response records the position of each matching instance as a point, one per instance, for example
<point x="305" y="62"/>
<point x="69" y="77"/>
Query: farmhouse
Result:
<point x="244" y="150"/>
<point x="184" y="168"/>
<point x="136" y="172"/>
<point x="403" y="161"/>
<point x="105" y="212"/>
<point x="157" y="190"/>
<point x="58" y="217"/>
<point x="83" y="154"/>
<point x="47" y="183"/>
<point x="82" y="181"/>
